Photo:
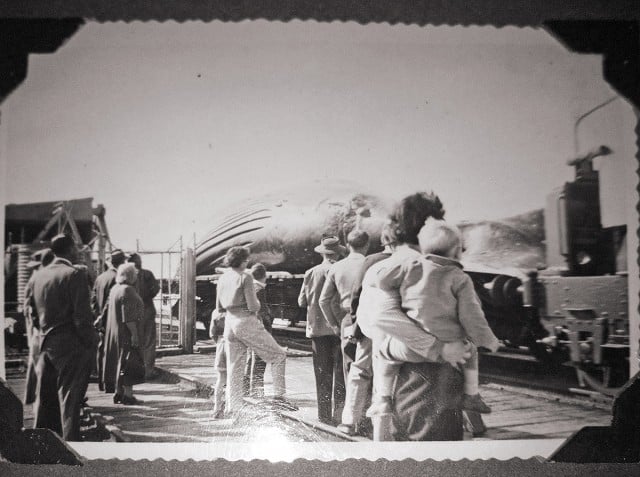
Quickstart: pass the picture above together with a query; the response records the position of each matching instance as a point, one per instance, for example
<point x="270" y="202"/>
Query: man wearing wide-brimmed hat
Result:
<point x="99" y="300"/>
<point x="325" y="339"/>
<point x="335" y="299"/>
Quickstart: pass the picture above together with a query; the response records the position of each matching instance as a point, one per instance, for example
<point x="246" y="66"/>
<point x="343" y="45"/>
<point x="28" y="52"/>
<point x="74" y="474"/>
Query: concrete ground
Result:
<point x="177" y="411"/>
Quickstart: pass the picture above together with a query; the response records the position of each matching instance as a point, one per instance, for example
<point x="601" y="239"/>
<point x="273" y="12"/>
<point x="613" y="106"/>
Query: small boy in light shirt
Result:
<point x="452" y="312"/>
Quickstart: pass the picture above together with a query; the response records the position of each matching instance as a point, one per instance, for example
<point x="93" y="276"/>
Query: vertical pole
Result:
<point x="3" y="168"/>
<point x="169" y="258"/>
<point x="159" y="333"/>
<point x="180" y="275"/>
<point x="187" y="301"/>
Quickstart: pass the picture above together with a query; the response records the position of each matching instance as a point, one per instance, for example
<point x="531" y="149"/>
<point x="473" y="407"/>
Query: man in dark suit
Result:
<point x="325" y="339"/>
<point x="60" y="303"/>
<point x="147" y="288"/>
<point x="99" y="300"/>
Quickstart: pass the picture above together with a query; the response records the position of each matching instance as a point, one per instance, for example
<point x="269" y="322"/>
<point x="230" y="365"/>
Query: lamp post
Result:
<point x="579" y="120"/>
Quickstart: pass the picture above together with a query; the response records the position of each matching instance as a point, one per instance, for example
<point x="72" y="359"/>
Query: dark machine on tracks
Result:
<point x="582" y="295"/>
<point x="552" y="282"/>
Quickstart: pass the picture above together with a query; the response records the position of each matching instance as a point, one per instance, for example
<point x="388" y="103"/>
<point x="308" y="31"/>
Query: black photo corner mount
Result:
<point x="29" y="446"/>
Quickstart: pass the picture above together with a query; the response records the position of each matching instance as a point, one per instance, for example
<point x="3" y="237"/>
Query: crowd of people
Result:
<point x="76" y="328"/>
<point x="394" y="334"/>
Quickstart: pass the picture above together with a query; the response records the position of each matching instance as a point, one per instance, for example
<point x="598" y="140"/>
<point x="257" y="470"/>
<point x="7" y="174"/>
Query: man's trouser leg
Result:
<point x="344" y="342"/>
<point x="67" y="361"/>
<point x="100" y="360"/>
<point x="339" y="390"/>
<point x="358" y="384"/>
<point x="149" y="344"/>
<point x="321" y="347"/>
<point x="47" y="407"/>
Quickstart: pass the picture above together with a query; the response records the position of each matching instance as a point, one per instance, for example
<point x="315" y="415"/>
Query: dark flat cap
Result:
<point x="61" y="244"/>
<point x="117" y="253"/>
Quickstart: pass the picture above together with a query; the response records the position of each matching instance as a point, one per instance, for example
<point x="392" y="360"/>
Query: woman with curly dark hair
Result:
<point x="410" y="215"/>
<point x="398" y="282"/>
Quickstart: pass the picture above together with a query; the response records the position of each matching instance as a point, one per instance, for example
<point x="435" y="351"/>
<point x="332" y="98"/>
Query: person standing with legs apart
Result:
<point x="325" y="339"/>
<point x="335" y="303"/>
<point x="99" y="301"/>
<point x="147" y="287"/>
<point x="236" y="297"/>
<point x="59" y="299"/>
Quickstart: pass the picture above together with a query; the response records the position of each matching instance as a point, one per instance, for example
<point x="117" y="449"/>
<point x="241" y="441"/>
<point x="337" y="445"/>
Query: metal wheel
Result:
<point x="544" y="354"/>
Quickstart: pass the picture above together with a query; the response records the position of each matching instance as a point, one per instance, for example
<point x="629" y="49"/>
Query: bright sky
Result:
<point x="166" y="123"/>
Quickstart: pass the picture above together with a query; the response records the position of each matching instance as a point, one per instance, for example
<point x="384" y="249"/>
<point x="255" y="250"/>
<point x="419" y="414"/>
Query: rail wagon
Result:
<point x="551" y="281"/>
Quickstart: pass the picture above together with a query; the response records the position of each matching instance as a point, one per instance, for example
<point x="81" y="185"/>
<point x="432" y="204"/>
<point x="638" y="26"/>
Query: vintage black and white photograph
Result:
<point x="274" y="240"/>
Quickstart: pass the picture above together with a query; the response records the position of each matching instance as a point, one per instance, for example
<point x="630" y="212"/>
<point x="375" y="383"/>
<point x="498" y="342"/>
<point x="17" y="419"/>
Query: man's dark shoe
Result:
<point x="130" y="401"/>
<point x="153" y="374"/>
<point x="474" y="403"/>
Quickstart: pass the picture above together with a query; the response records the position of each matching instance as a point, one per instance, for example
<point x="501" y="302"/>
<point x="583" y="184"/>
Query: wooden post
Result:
<point x="188" y="301"/>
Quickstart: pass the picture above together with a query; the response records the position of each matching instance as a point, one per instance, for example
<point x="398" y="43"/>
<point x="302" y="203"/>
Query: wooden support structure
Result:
<point x="188" y="301"/>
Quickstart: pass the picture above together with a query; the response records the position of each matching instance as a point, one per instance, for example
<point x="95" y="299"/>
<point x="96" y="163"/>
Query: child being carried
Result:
<point x="448" y="309"/>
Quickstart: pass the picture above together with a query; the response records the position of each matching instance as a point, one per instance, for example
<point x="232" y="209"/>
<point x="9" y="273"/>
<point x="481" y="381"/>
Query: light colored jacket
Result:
<point x="309" y="298"/>
<point x="439" y="296"/>
<point x="335" y="299"/>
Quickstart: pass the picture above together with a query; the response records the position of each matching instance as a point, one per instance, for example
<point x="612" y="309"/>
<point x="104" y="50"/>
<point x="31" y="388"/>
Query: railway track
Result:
<point x="509" y="367"/>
